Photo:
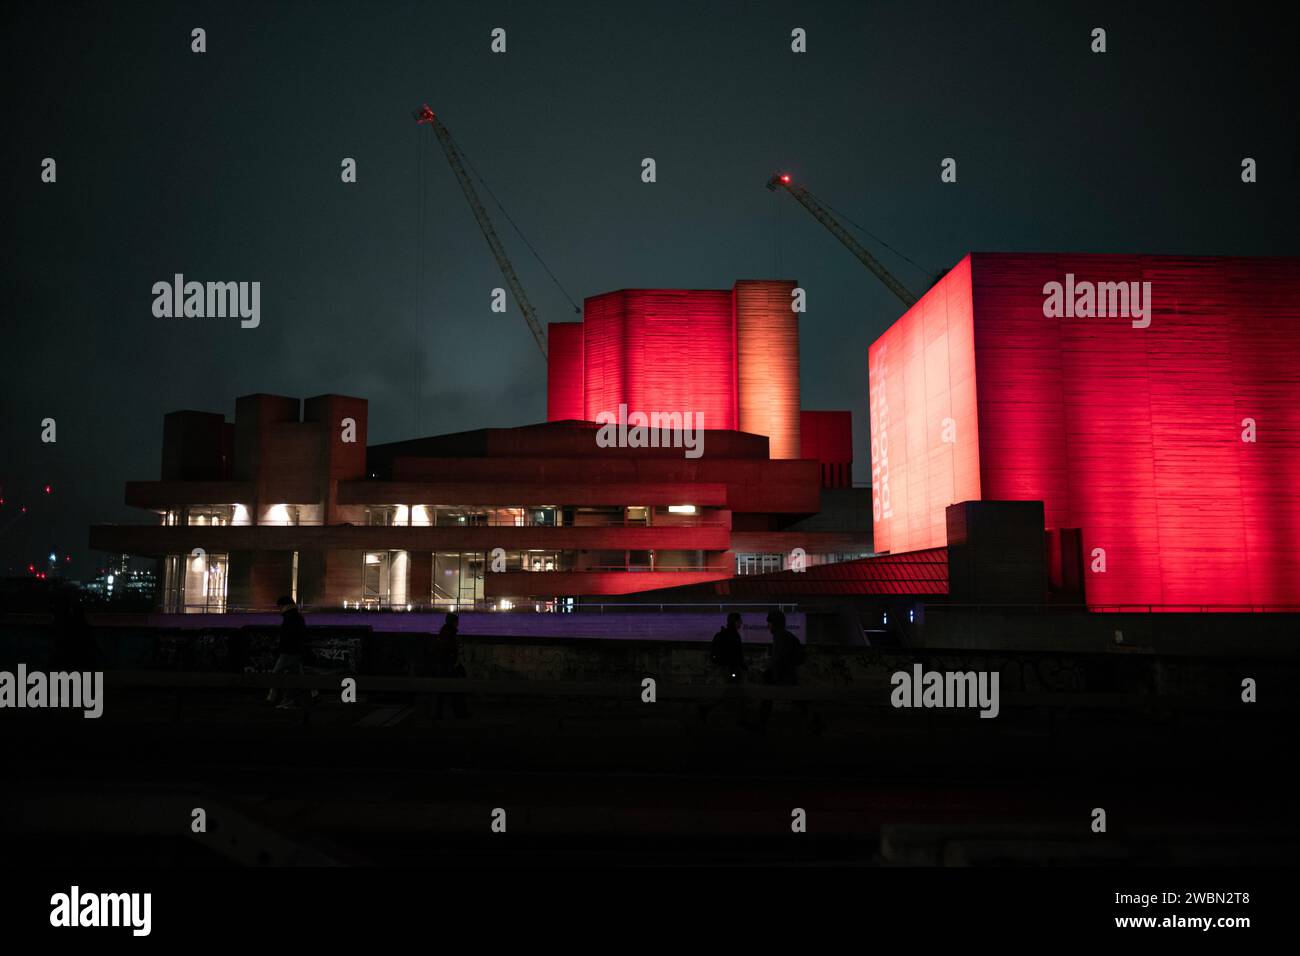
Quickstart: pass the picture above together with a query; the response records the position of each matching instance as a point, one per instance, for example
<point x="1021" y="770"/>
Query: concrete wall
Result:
<point x="197" y="446"/>
<point x="1050" y="629"/>
<point x="997" y="552"/>
<point x="587" y="625"/>
<point x="767" y="363"/>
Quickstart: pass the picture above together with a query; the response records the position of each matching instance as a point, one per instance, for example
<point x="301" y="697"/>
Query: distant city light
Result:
<point x="49" y="490"/>
<point x="53" y="557"/>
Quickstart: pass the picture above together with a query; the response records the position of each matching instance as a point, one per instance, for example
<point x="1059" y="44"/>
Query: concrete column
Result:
<point x="420" y="589"/>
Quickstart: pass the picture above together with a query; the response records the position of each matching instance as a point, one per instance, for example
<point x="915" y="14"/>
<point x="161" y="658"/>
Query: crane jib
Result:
<point x="485" y="226"/>
<point x="822" y="215"/>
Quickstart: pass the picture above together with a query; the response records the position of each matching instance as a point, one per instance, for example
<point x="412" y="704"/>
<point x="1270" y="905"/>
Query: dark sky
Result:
<point x="225" y="166"/>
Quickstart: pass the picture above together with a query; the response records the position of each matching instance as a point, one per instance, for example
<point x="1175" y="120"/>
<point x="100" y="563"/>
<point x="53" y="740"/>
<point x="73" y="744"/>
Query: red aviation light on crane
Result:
<point x="778" y="179"/>
<point x="785" y="177"/>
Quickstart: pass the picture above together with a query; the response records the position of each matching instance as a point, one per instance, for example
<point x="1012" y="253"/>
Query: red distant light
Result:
<point x="785" y="178"/>
<point x="48" y="490"/>
<point x="67" y="557"/>
<point x="31" y="569"/>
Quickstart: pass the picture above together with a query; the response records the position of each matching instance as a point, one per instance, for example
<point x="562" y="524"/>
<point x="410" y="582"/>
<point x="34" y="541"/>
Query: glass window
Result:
<point x="457" y="578"/>
<point x="541" y="561"/>
<point x="381" y="515"/>
<point x="372" y="578"/>
<point x="194" y="584"/>
<point x="759" y="563"/>
<point x="384" y="578"/>
<point x="173" y="596"/>
<point x="220" y="515"/>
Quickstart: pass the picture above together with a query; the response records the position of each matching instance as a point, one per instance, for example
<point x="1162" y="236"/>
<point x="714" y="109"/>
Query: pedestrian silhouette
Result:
<point x="447" y="665"/>
<point x="727" y="655"/>
<point x="783" y="667"/>
<point x="726" y="651"/>
<point x="289" y="651"/>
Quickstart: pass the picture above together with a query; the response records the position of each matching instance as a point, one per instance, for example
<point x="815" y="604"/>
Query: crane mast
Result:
<point x="809" y="202"/>
<point x="425" y="116"/>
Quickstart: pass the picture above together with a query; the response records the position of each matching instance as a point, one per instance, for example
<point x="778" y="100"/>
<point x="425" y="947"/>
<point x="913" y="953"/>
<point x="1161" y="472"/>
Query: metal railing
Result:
<point x="1122" y="608"/>
<point x="634" y="568"/>
<point x="527" y="521"/>
<point x="521" y="521"/>
<point x="520" y="605"/>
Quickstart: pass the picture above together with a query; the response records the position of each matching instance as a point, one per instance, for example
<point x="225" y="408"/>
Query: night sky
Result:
<point x="225" y="166"/>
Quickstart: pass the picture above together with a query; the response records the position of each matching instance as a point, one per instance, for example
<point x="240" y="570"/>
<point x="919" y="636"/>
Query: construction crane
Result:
<point x="809" y="202"/>
<point x="425" y="116"/>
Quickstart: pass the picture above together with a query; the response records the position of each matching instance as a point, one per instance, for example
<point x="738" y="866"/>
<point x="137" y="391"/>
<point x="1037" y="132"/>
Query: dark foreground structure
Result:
<point x="560" y="735"/>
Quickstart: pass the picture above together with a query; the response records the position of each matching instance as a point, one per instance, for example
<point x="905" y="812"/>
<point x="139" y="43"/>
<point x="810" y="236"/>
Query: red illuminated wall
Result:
<point x="1133" y="435"/>
<point x="767" y="364"/>
<point x="732" y="355"/>
<point x="564" y="371"/>
<point x="924" y="430"/>
<point x="827" y="437"/>
<point x="661" y="350"/>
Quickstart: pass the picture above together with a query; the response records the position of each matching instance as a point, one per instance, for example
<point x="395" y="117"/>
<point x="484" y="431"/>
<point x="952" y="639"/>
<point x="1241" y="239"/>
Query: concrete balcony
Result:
<point x="166" y="495"/>
<point x="544" y="584"/>
<point x="506" y="492"/>
<point x="163" y="539"/>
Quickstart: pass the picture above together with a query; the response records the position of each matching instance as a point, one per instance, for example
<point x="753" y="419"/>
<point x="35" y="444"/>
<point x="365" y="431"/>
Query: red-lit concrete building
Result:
<point x="288" y="499"/>
<point x="1166" y="447"/>
<point x="730" y="355"/>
